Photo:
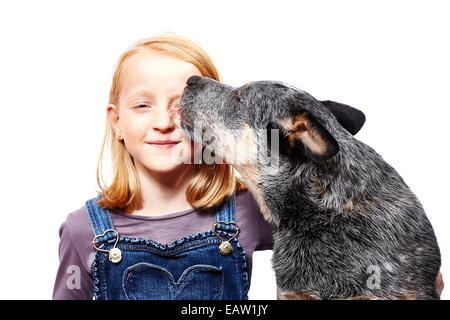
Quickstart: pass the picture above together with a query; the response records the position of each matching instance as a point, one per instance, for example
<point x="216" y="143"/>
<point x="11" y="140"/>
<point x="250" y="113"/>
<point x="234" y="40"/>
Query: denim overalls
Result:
<point x="190" y="268"/>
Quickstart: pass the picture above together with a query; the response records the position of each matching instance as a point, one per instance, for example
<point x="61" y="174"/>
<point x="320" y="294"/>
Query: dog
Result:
<point x="347" y="225"/>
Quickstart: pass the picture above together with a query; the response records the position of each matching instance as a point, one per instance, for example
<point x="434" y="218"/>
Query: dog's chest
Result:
<point x="313" y="248"/>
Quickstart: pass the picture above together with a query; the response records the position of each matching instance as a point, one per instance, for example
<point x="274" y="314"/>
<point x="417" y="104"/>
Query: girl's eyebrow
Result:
<point x="141" y="93"/>
<point x="145" y="93"/>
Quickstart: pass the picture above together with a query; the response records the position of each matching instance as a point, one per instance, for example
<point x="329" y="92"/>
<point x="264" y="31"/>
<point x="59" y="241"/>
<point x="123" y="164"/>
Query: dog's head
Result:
<point x="267" y="130"/>
<point x="244" y="117"/>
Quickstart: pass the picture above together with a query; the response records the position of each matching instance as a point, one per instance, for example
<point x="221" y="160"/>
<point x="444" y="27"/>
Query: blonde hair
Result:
<point x="211" y="184"/>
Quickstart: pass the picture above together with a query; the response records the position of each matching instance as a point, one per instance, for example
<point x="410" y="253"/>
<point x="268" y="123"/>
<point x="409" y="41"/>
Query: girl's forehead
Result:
<point x="150" y="67"/>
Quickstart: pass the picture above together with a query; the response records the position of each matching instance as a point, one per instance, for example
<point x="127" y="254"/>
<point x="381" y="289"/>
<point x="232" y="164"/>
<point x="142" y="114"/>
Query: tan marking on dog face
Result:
<point x="251" y="176"/>
<point x="246" y="148"/>
<point x="300" y="122"/>
<point x="308" y="135"/>
<point x="300" y="129"/>
<point x="286" y="123"/>
<point x="248" y="137"/>
<point x="243" y="156"/>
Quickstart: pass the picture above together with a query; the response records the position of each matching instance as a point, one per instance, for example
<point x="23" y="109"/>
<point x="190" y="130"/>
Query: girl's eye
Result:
<point x="142" y="106"/>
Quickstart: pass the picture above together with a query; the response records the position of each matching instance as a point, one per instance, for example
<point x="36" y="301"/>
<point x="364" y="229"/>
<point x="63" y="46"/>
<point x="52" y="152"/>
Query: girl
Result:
<point x="165" y="227"/>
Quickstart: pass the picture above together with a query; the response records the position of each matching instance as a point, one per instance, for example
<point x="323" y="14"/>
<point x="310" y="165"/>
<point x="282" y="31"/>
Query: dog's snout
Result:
<point x="193" y="80"/>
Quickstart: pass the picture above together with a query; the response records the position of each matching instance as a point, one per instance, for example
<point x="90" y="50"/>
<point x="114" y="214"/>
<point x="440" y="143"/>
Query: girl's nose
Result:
<point x="163" y="121"/>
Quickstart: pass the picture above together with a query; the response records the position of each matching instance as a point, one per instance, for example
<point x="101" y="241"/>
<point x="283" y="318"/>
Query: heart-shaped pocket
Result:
<point x="147" y="281"/>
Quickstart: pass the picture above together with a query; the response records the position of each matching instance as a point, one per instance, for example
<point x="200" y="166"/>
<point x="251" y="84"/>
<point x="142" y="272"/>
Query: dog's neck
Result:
<point x="345" y="184"/>
<point x="252" y="177"/>
<point x="336" y="187"/>
<point x="266" y="188"/>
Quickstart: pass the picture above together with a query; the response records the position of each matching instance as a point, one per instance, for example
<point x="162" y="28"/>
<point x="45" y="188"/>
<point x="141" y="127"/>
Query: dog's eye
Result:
<point x="238" y="98"/>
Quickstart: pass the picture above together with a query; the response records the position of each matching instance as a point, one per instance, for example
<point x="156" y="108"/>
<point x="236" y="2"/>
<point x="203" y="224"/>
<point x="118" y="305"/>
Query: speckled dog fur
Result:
<point x="348" y="226"/>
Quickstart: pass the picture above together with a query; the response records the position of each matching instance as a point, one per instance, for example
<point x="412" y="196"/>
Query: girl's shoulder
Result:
<point x="77" y="223"/>
<point x="245" y="200"/>
<point x="77" y="229"/>
<point x="255" y="229"/>
<point x="247" y="205"/>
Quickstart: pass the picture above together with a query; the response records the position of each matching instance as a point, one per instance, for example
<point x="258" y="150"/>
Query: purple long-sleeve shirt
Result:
<point x="76" y="253"/>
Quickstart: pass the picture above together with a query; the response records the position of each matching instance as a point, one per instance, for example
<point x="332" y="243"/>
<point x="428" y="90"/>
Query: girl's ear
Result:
<point x="303" y="136"/>
<point x="113" y="118"/>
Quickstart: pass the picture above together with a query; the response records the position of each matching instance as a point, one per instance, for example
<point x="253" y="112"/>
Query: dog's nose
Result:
<point x="193" y="80"/>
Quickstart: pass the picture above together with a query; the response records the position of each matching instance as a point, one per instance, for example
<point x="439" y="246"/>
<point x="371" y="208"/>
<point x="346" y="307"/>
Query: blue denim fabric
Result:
<point x="190" y="268"/>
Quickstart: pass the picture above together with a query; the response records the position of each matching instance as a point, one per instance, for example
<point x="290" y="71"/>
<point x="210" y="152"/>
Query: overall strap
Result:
<point x="100" y="219"/>
<point x="227" y="213"/>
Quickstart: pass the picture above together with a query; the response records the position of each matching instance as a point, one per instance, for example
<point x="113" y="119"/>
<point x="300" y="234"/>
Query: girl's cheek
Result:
<point x="176" y="115"/>
<point x="175" y="110"/>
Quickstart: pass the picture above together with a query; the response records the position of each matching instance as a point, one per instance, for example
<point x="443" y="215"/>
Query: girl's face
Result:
<point x="147" y="118"/>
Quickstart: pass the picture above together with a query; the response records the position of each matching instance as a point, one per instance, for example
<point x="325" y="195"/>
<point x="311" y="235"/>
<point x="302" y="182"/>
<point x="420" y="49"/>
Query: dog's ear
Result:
<point x="350" y="118"/>
<point x="303" y="136"/>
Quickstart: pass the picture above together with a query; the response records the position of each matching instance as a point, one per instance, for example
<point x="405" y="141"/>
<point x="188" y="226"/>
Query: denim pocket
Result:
<point x="146" y="281"/>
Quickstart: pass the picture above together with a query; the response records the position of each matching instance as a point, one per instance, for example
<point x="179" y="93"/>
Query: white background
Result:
<point x="390" y="59"/>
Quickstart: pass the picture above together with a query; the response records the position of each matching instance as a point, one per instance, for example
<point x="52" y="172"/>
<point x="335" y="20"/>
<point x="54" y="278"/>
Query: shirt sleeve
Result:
<point x="73" y="281"/>
<point x="265" y="229"/>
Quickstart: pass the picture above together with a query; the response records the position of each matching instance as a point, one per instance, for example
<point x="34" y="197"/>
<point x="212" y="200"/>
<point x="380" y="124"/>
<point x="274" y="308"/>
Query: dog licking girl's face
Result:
<point x="239" y="122"/>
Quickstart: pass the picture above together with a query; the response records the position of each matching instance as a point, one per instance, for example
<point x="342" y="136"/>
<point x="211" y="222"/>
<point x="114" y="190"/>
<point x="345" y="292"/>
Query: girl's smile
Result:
<point x="163" y="144"/>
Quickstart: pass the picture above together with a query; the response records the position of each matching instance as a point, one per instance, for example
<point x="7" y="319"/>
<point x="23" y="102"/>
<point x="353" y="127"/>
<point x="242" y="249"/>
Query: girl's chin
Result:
<point x="165" y="166"/>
